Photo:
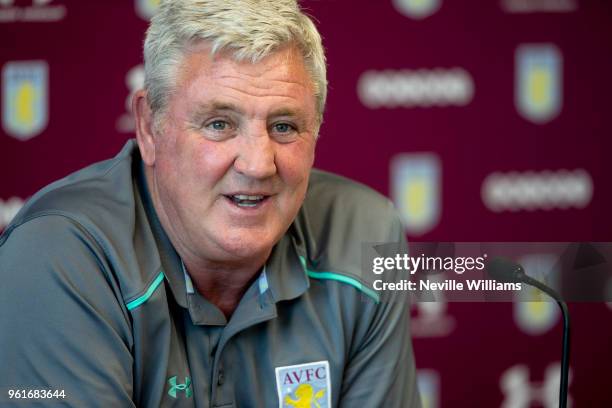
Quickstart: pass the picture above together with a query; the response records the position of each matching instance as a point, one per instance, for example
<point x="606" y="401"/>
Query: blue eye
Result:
<point x="218" y="125"/>
<point x="283" y="127"/>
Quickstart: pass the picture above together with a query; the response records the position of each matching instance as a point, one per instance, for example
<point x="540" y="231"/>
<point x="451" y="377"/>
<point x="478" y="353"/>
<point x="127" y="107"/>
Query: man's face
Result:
<point x="233" y="154"/>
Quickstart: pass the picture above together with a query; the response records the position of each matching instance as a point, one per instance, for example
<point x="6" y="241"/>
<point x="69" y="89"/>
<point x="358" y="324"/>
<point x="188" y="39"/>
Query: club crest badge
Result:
<point x="146" y="8"/>
<point x="538" y="92"/>
<point x="428" y="382"/>
<point x="417" y="9"/>
<point x="415" y="190"/>
<point x="24" y="98"/>
<point x="534" y="312"/>
<point x="304" y="385"/>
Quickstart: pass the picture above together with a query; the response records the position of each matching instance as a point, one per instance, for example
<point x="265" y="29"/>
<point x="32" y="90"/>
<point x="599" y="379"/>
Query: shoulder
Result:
<point x="340" y="219"/>
<point x="90" y="196"/>
<point x="347" y="204"/>
<point x="92" y="216"/>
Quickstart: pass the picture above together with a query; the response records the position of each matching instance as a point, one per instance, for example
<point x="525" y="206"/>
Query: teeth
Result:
<point x="248" y="197"/>
<point x="244" y="200"/>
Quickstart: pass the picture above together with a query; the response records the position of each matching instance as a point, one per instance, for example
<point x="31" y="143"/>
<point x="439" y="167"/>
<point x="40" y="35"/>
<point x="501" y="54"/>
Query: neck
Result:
<point x="223" y="286"/>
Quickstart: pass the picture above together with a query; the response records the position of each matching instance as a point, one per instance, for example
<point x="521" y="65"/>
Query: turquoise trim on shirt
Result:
<point x="141" y="299"/>
<point x="340" y="278"/>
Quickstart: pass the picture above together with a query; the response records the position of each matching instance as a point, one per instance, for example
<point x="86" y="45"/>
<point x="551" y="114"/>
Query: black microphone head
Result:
<point x="505" y="270"/>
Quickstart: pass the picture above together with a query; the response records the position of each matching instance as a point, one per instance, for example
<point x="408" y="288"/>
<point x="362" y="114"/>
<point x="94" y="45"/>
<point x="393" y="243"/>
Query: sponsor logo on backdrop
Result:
<point x="40" y="11"/>
<point x="417" y="9"/>
<point x="8" y="210"/>
<point x="539" y="6"/>
<point x="24" y="98"/>
<point x="538" y="83"/>
<point x="134" y="80"/>
<point x="428" y="382"/>
<point x="415" y="88"/>
<point x="537" y="316"/>
<point x="431" y="319"/>
<point x="519" y="392"/>
<point x="304" y="385"/>
<point x="416" y="184"/>
<point x="146" y="8"/>
<point x="529" y="191"/>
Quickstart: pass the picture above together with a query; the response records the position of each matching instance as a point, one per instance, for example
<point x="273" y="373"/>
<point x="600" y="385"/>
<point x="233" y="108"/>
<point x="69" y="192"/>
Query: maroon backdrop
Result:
<point x="502" y="108"/>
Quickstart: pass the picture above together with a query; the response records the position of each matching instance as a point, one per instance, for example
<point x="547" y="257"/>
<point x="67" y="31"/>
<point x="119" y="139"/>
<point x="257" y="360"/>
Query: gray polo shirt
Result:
<point x="94" y="301"/>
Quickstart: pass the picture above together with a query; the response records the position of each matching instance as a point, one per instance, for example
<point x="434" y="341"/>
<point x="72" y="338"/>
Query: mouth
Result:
<point x="247" y="200"/>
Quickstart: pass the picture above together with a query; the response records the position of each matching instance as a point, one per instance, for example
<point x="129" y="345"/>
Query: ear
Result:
<point x="145" y="135"/>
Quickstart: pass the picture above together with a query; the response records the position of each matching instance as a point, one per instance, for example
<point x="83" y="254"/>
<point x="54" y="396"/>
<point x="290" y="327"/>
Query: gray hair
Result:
<point x="252" y="29"/>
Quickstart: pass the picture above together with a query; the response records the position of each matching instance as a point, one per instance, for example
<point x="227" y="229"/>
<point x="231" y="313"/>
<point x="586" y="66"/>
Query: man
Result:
<point x="207" y="265"/>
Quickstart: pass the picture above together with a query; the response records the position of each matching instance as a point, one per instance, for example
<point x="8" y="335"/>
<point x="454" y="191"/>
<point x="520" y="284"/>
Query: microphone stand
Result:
<point x="566" y="336"/>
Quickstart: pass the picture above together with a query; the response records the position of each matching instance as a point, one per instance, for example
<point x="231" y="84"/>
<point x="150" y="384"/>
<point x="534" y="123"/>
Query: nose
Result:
<point x="256" y="154"/>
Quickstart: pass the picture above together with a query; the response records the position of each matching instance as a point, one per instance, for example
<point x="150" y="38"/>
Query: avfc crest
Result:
<point x="428" y="382"/>
<point x="304" y="385"/>
<point x="534" y="312"/>
<point x="24" y="98"/>
<point x="417" y="9"/>
<point x="538" y="82"/>
<point x="415" y="190"/>
<point x="146" y="8"/>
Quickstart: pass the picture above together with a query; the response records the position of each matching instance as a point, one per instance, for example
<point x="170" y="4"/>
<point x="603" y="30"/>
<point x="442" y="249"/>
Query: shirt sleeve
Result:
<point x="63" y="325"/>
<point x="381" y="371"/>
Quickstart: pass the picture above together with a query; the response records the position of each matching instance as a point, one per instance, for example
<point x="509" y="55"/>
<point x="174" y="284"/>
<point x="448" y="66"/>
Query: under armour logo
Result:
<point x="520" y="393"/>
<point x="174" y="387"/>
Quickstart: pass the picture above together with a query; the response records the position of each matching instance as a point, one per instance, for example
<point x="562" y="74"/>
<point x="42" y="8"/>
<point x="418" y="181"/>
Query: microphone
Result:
<point x="505" y="270"/>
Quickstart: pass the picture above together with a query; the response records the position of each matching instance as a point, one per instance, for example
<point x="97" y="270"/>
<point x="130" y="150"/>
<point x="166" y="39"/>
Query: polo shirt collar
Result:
<point x="286" y="276"/>
<point x="169" y="258"/>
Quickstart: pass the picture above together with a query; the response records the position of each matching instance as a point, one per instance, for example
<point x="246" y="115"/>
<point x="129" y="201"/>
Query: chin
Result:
<point x="247" y="244"/>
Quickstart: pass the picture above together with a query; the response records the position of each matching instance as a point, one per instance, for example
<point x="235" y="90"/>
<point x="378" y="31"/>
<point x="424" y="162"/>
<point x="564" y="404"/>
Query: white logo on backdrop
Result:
<point x="25" y="98"/>
<point x="416" y="190"/>
<point x="519" y="392"/>
<point x="535" y="312"/>
<point x="431" y="319"/>
<point x="39" y="12"/>
<point x="545" y="190"/>
<point x="415" y="88"/>
<point x="134" y="80"/>
<point x="417" y="9"/>
<point x="538" y="82"/>
<point x="8" y="210"/>
<point x="146" y="8"/>
<point x="428" y="383"/>
<point x="539" y="6"/>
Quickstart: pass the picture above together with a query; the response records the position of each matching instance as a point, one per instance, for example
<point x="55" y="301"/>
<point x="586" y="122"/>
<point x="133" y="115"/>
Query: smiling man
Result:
<point x="228" y="164"/>
<point x="208" y="264"/>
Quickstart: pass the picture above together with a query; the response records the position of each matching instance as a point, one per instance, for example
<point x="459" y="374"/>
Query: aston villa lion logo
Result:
<point x="24" y="98"/>
<point x="146" y="9"/>
<point x="304" y="385"/>
<point x="417" y="9"/>
<point x="416" y="190"/>
<point x="538" y="82"/>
